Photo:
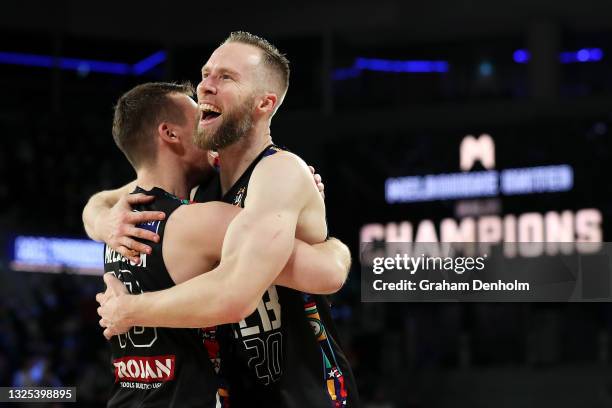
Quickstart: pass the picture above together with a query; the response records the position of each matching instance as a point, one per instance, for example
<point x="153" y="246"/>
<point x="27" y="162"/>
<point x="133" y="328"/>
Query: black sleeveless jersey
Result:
<point x="157" y="367"/>
<point x="285" y="354"/>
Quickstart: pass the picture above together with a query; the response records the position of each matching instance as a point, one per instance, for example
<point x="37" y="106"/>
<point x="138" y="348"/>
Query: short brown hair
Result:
<point x="139" y="111"/>
<point x="272" y="57"/>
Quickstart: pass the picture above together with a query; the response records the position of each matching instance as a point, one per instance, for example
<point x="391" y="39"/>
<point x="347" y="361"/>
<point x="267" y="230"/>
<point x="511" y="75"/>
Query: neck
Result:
<point x="235" y="159"/>
<point x="170" y="178"/>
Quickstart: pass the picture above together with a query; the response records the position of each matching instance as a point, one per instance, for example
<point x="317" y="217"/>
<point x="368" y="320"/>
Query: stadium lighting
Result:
<point x="566" y="57"/>
<point x="83" y="65"/>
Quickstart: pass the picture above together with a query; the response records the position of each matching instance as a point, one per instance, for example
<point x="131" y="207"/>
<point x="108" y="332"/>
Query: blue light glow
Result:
<point x="149" y="63"/>
<point x="380" y="65"/>
<point x="596" y="54"/>
<point x="583" y="55"/>
<point x="394" y="66"/>
<point x="565" y="57"/>
<point x="83" y="70"/>
<point x="83" y="66"/>
<point x="521" y="56"/>
<point x="14" y="58"/>
<point x="568" y="57"/>
<point x="485" y="69"/>
<point x="103" y="67"/>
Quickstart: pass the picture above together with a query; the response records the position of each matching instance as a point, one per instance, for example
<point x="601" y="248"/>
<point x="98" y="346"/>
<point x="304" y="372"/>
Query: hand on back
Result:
<point x="120" y="226"/>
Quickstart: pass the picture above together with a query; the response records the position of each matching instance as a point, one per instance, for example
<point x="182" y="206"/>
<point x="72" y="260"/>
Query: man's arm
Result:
<point x="108" y="217"/>
<point x="193" y="241"/>
<point x="258" y="244"/>
<point x="319" y="269"/>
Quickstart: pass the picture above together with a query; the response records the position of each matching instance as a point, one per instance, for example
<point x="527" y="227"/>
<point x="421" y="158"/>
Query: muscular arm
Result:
<point x="193" y="241"/>
<point x="258" y="244"/>
<point x="318" y="269"/>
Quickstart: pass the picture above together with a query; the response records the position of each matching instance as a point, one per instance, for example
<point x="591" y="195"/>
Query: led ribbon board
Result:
<point x="453" y="186"/>
<point x="51" y="254"/>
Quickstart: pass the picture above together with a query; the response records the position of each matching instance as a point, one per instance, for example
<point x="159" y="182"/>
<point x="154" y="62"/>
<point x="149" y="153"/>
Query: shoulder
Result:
<point x="281" y="180"/>
<point x="197" y="217"/>
<point x="284" y="156"/>
<point x="284" y="164"/>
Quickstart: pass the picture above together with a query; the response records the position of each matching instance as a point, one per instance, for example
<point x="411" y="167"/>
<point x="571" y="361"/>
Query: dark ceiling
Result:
<point x="364" y="22"/>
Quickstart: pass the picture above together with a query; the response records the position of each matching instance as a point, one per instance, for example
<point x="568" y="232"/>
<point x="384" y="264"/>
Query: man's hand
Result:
<point x="108" y="217"/>
<point x="318" y="181"/>
<point x="118" y="226"/>
<point x="111" y="318"/>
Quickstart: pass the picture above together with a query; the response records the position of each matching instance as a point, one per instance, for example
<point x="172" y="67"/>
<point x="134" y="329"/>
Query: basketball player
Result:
<point x="159" y="367"/>
<point x="273" y="357"/>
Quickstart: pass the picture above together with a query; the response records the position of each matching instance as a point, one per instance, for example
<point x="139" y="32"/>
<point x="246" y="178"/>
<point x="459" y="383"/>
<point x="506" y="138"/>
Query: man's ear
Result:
<point x="166" y="133"/>
<point x="268" y="103"/>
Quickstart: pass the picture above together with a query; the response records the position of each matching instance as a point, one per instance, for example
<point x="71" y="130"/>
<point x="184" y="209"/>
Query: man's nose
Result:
<point x="206" y="87"/>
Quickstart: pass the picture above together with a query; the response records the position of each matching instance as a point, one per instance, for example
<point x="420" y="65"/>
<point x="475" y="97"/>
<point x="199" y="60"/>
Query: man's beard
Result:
<point x="235" y="125"/>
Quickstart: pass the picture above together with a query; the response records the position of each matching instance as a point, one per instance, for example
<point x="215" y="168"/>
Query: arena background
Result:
<point x="534" y="75"/>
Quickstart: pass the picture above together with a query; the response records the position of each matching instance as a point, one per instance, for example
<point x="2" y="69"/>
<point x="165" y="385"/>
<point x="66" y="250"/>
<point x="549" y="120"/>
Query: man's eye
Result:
<point x="225" y="76"/>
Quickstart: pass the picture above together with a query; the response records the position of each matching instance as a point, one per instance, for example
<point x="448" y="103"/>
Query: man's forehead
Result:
<point x="235" y="56"/>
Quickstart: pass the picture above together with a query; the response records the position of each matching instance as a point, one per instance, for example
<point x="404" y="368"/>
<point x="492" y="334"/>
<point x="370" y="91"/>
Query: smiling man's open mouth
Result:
<point x="209" y="113"/>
